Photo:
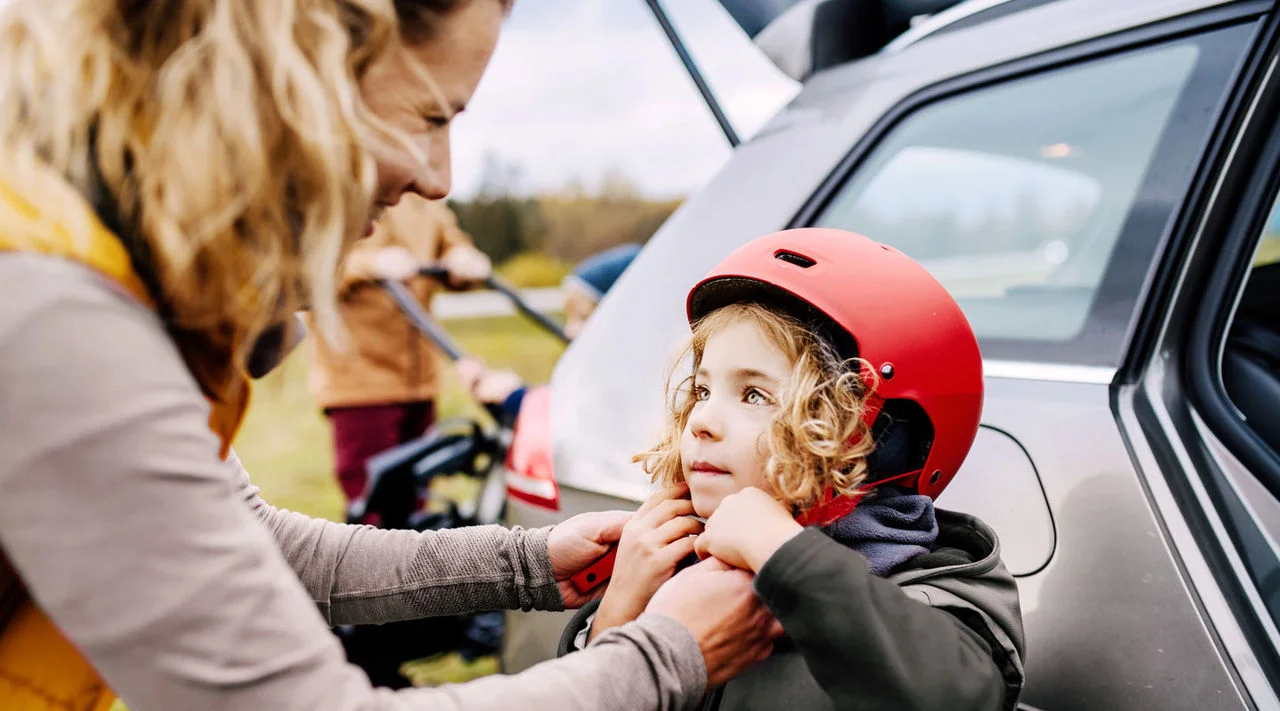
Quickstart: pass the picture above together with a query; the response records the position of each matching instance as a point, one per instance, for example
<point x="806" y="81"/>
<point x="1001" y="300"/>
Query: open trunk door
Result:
<point x="806" y="36"/>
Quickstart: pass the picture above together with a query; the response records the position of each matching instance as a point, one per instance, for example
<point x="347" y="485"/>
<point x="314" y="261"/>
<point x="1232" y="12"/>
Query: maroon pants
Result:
<point x="361" y="432"/>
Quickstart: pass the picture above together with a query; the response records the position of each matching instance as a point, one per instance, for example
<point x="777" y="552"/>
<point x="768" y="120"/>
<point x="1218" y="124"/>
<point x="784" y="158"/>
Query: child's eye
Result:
<point x="756" y="397"/>
<point x="701" y="393"/>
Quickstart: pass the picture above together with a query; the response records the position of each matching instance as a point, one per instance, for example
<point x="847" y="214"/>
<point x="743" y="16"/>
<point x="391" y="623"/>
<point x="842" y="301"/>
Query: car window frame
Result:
<point x="1099" y="350"/>
<point x="1189" y="443"/>
<point x="1250" y="207"/>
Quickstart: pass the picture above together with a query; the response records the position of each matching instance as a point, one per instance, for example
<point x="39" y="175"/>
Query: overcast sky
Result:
<point x="580" y="87"/>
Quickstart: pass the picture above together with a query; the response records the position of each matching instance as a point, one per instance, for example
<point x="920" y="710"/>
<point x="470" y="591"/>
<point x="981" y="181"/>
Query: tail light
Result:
<point x="530" y="477"/>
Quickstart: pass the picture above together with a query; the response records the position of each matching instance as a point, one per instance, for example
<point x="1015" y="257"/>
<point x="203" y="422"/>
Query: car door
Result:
<point x="1199" y="399"/>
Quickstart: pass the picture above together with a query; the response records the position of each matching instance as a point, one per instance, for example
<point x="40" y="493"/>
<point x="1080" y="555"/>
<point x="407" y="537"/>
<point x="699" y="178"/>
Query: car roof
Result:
<point x="945" y="50"/>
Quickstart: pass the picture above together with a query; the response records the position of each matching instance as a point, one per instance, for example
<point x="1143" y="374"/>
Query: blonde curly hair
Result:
<point x="817" y="441"/>
<point x="226" y="139"/>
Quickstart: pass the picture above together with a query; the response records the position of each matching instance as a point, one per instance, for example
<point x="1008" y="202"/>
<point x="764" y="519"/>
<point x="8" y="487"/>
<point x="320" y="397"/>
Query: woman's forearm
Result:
<point x="361" y="574"/>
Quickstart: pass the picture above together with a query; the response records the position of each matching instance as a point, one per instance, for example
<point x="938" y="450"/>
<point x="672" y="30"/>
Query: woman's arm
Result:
<point x="361" y="574"/>
<point x="128" y="532"/>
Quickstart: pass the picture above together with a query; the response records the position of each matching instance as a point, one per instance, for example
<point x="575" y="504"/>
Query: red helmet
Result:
<point x="870" y="301"/>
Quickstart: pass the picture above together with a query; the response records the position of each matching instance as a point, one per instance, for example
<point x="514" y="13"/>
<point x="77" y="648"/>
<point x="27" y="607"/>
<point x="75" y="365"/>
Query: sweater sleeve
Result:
<point x="363" y="575"/>
<point x="132" y="536"/>
<point x="867" y="643"/>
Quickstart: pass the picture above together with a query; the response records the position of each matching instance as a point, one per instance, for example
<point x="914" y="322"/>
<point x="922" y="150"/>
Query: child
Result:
<point x="834" y="384"/>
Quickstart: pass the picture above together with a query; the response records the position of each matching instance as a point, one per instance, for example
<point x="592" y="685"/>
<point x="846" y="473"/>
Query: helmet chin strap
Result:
<point x="830" y="507"/>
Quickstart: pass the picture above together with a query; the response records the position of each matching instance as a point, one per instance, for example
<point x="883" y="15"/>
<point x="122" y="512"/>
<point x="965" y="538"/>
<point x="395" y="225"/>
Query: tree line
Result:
<point x="566" y="226"/>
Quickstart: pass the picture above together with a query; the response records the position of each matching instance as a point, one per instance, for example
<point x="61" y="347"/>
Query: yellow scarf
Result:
<point x="39" y="668"/>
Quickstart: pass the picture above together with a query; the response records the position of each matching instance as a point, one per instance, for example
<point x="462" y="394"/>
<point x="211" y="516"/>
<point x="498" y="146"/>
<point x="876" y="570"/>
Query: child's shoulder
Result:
<point x="963" y="540"/>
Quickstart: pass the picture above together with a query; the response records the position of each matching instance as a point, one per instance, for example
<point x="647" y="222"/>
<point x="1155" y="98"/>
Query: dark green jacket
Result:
<point x="942" y="633"/>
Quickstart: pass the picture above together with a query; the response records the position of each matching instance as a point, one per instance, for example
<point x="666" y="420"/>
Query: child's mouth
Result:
<point x="706" y="469"/>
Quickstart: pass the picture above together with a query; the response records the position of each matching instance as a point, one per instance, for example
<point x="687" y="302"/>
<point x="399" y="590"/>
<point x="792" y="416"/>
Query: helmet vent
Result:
<point x="792" y="258"/>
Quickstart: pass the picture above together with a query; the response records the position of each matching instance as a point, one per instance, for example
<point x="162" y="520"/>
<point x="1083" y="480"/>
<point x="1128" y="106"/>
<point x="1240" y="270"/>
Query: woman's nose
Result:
<point x="435" y="179"/>
<point x="433" y="184"/>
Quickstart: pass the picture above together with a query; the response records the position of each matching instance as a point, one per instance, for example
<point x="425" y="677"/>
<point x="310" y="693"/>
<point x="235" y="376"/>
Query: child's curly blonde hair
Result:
<point x="818" y="439"/>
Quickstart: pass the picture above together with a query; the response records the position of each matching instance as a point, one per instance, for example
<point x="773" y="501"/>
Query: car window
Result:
<point x="1015" y="196"/>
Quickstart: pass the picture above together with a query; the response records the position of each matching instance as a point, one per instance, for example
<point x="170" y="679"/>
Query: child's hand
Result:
<point x="746" y="529"/>
<point x="653" y="542"/>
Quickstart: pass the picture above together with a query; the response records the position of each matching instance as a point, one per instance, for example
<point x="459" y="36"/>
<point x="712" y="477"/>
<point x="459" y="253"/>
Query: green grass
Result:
<point x="531" y="270"/>
<point x="1268" y="251"/>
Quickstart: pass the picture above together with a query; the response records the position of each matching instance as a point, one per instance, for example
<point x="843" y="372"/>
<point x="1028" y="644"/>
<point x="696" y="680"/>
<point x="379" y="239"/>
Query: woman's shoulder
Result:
<point x="64" y="324"/>
<point x="38" y="284"/>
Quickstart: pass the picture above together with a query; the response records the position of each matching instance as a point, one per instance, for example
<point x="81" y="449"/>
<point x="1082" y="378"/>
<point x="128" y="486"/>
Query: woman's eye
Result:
<point x="701" y="393"/>
<point x="437" y="121"/>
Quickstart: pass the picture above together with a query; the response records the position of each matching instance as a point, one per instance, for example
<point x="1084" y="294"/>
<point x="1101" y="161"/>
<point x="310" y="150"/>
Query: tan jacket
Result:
<point x="387" y="360"/>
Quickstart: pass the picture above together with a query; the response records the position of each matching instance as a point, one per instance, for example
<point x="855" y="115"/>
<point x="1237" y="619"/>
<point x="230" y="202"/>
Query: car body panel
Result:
<point x="998" y="483"/>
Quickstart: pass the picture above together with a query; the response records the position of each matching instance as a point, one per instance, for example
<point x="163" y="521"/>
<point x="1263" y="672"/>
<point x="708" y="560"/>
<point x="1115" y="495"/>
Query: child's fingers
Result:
<point x="666" y="510"/>
<point x="775" y="628"/>
<point x="702" y="547"/>
<point x="666" y="493"/>
<point x="678" y="528"/>
<point x="678" y="550"/>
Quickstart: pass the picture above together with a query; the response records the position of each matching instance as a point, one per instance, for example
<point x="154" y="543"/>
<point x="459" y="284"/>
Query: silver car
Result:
<point x="1095" y="181"/>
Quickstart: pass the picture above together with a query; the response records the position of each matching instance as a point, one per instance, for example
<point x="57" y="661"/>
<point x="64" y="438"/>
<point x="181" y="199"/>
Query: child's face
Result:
<point x="724" y="447"/>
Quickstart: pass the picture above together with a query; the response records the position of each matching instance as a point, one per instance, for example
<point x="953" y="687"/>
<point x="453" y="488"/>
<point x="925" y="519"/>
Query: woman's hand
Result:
<point x="746" y="529"/>
<point x="660" y="534"/>
<point x="577" y="543"/>
<point x="719" y="607"/>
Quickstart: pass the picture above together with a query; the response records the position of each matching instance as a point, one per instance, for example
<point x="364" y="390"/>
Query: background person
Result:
<point x="380" y="390"/>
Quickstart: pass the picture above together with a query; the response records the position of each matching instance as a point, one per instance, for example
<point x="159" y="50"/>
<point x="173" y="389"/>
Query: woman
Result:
<point x="176" y="179"/>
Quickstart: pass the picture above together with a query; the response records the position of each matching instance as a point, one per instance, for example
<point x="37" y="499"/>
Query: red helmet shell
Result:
<point x="898" y="317"/>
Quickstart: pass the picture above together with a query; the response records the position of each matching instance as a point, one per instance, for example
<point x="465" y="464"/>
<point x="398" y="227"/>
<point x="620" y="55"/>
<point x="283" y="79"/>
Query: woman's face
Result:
<point x="724" y="447"/>
<point x="454" y="58"/>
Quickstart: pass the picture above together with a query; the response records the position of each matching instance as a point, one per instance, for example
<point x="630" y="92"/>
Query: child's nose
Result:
<point x="703" y="421"/>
